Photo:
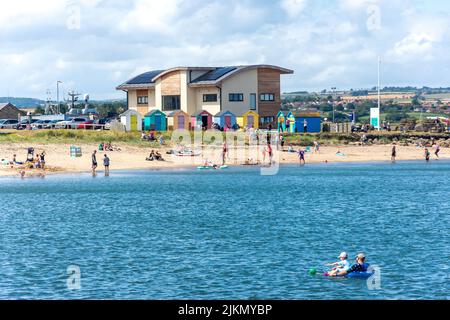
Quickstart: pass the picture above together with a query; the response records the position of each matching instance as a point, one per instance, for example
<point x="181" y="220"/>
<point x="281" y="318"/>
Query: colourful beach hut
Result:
<point x="290" y="122"/>
<point x="313" y="121"/>
<point x="155" y="120"/>
<point x="225" y="119"/>
<point x="202" y="119"/>
<point x="132" y="120"/>
<point x="281" y="121"/>
<point x="179" y="120"/>
<point x="250" y="119"/>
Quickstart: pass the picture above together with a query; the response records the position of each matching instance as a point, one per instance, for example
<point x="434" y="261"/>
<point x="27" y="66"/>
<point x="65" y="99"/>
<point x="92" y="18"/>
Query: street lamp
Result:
<point x="333" y="89"/>
<point x="57" y="95"/>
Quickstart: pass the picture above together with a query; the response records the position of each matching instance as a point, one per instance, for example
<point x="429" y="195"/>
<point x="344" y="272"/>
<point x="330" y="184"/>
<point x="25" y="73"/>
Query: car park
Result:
<point x="8" y="124"/>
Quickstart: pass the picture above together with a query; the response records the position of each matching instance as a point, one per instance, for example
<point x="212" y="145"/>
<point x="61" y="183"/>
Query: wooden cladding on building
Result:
<point x="171" y="84"/>
<point x="269" y="83"/>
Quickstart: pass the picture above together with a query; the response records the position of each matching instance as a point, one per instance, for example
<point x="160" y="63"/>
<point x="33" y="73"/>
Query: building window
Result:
<point x="142" y="100"/>
<point x="267" y="97"/>
<point x="210" y="98"/>
<point x="236" y="97"/>
<point x="170" y="103"/>
<point x="267" y="120"/>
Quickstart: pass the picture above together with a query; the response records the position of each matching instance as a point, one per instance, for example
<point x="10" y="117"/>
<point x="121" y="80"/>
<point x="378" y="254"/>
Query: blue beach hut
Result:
<point x="155" y="120"/>
<point x="225" y="119"/>
<point x="313" y="122"/>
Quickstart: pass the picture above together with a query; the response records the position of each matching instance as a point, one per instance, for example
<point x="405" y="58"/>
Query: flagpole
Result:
<point x="379" y="97"/>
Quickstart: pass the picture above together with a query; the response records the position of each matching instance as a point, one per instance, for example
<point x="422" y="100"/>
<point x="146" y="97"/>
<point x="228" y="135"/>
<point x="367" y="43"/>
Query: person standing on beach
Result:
<point x="106" y="165"/>
<point x="301" y="156"/>
<point x="94" y="162"/>
<point x="393" y="153"/>
<point x="42" y="157"/>
<point x="427" y="155"/>
<point x="224" y="152"/>
<point x="305" y="126"/>
<point x="438" y="149"/>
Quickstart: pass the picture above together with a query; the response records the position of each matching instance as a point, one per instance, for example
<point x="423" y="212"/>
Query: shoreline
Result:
<point x="132" y="158"/>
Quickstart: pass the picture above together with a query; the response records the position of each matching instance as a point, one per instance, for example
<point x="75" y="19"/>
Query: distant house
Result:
<point x="237" y="89"/>
<point x="10" y="111"/>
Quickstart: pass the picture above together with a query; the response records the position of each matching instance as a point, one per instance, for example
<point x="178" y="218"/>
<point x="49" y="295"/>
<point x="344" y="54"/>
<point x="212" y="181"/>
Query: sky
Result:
<point x="92" y="46"/>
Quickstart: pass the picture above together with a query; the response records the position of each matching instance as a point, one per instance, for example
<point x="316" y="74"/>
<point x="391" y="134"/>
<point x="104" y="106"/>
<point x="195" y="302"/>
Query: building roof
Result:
<point x="2" y="105"/>
<point x="222" y="113"/>
<point x="200" y="113"/>
<point x="156" y="111"/>
<point x="212" y="75"/>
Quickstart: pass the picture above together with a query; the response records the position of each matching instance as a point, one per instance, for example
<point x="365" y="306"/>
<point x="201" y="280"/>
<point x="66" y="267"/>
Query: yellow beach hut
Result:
<point x="179" y="120"/>
<point x="250" y="119"/>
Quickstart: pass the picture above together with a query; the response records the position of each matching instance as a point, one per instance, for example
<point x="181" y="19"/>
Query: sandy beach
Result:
<point x="58" y="158"/>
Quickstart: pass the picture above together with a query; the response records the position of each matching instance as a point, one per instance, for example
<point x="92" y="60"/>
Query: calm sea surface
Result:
<point x="231" y="234"/>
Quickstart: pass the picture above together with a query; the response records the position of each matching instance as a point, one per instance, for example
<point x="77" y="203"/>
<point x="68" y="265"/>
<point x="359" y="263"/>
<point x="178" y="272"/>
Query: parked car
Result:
<point x="40" y="124"/>
<point x="22" y="125"/>
<point x="100" y="124"/>
<point x="51" y="124"/>
<point x="8" y="124"/>
<point x="70" y="124"/>
<point x="87" y="125"/>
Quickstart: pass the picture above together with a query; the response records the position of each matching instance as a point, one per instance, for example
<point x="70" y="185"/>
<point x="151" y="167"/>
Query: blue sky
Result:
<point x="94" y="45"/>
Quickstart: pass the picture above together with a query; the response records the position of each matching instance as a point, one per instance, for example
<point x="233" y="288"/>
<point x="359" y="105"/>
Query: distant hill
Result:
<point x="23" y="102"/>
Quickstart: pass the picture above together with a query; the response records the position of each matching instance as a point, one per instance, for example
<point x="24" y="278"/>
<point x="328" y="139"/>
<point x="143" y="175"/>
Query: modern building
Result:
<point x="236" y="89"/>
<point x="10" y="111"/>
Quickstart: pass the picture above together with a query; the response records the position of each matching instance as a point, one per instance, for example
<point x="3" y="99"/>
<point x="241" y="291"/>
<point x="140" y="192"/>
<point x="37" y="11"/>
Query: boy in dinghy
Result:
<point x="340" y="266"/>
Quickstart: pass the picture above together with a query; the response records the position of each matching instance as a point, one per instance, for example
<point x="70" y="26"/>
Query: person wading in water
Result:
<point x="94" y="162"/>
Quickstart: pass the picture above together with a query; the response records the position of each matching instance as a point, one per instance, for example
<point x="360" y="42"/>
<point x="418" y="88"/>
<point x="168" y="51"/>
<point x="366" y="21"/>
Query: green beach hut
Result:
<point x="290" y="122"/>
<point x="155" y="120"/>
<point x="281" y="121"/>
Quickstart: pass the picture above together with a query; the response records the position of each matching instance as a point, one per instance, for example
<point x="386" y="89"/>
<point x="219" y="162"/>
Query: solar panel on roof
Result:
<point x="215" y="74"/>
<point x="145" y="77"/>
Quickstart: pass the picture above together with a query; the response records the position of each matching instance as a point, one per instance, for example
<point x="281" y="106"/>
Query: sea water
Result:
<point x="230" y="234"/>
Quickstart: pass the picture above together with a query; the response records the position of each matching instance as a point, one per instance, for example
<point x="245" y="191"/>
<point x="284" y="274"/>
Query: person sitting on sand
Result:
<point x="161" y="140"/>
<point x="151" y="136"/>
<point x="144" y="136"/>
<point x="339" y="266"/>
<point x="359" y="266"/>
<point x="15" y="160"/>
<point x="101" y="146"/>
<point x="158" y="156"/>
<point x="151" y="157"/>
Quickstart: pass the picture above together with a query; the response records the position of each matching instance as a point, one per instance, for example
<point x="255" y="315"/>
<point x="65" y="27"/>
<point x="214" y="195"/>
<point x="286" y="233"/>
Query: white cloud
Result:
<point x="327" y="44"/>
<point x="293" y="7"/>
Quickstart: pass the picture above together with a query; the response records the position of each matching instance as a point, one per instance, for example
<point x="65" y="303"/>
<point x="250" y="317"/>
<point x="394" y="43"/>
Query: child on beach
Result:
<point x="340" y="266"/>
<point x="427" y="155"/>
<point x="301" y="156"/>
<point x="106" y="165"/>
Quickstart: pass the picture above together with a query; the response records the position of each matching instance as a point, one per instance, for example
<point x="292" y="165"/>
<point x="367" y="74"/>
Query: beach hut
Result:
<point x="155" y="120"/>
<point x="179" y="120"/>
<point x="313" y="121"/>
<point x="202" y="119"/>
<point x="225" y="119"/>
<point x="250" y="119"/>
<point x="281" y="121"/>
<point x="132" y="120"/>
<point x="290" y="122"/>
